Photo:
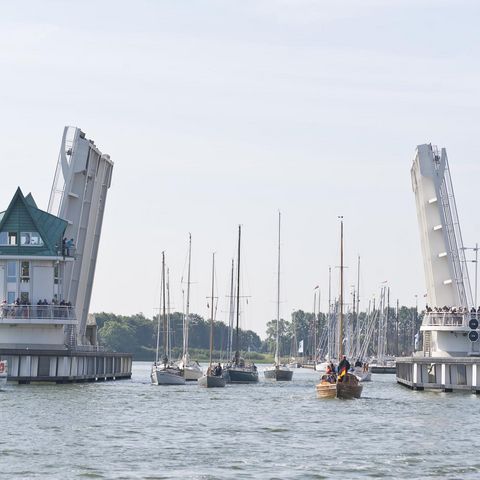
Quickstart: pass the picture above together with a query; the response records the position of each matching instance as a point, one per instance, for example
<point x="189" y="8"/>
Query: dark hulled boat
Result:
<point x="238" y="371"/>
<point x="213" y="378"/>
<point x="280" y="373"/>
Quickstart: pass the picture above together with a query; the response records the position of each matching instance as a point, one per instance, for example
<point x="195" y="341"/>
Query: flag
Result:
<point x="342" y="372"/>
<point x="300" y="347"/>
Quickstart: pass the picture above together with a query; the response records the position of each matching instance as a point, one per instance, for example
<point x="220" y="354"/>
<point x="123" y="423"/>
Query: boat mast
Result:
<point x="237" y="353"/>
<point x="165" y="359"/>
<point x="232" y="312"/>
<point x="159" y="312"/>
<point x="340" y="338"/>
<point x="187" y="310"/>
<point x="277" y="354"/>
<point x="211" y="307"/>
<point x="314" y="326"/>
<point x="358" y="306"/>
<point x="329" y="324"/>
<point x="169" y="340"/>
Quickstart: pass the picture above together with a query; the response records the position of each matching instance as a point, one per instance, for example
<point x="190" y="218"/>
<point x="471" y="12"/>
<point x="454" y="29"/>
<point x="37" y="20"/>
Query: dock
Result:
<point x="446" y="374"/>
<point x="65" y="366"/>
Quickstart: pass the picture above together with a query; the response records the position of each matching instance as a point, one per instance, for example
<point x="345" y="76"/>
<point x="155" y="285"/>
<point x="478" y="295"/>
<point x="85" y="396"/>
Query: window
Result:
<point x="11" y="297"/>
<point x="25" y="271"/>
<point x="24" y="297"/>
<point x="31" y="239"/>
<point x="8" y="238"/>
<point x="55" y="274"/>
<point x="12" y="238"/>
<point x="12" y="272"/>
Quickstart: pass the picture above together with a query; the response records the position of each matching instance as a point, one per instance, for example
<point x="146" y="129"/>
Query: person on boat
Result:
<point x="343" y="367"/>
<point x="358" y="363"/>
<point x="217" y="370"/>
<point x="329" y="370"/>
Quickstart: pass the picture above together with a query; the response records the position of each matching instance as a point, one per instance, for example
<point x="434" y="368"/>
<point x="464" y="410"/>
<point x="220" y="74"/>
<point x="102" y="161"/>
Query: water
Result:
<point x="132" y="430"/>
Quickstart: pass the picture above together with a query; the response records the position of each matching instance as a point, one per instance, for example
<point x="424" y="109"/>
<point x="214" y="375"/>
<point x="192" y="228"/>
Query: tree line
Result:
<point x="137" y="334"/>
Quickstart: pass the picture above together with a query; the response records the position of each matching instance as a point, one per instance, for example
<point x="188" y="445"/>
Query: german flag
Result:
<point x="342" y="373"/>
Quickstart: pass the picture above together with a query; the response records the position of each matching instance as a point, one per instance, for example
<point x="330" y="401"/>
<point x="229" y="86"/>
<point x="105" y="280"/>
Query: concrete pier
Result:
<point x="65" y="366"/>
<point x="447" y="374"/>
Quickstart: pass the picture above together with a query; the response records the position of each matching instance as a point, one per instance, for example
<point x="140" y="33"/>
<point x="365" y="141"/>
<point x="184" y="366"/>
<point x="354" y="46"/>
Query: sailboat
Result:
<point x="348" y="385"/>
<point x="213" y="378"/>
<point x="238" y="371"/>
<point x="294" y="363"/>
<point x="191" y="370"/>
<point x="279" y="371"/>
<point x="163" y="372"/>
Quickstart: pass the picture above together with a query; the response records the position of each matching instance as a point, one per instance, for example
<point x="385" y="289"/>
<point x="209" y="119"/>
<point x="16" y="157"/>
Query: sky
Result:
<point x="220" y="113"/>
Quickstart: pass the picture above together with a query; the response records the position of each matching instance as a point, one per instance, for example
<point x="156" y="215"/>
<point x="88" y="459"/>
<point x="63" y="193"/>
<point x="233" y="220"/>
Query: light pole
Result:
<point x="475" y="249"/>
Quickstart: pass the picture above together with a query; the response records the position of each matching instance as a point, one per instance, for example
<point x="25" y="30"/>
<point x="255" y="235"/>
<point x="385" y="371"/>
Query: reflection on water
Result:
<point x="130" y="429"/>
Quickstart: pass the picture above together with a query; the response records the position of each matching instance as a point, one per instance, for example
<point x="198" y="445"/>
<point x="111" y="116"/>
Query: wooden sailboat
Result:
<point x="237" y="371"/>
<point x="213" y="378"/>
<point x="279" y="371"/>
<point x="348" y="385"/>
<point x="191" y="370"/>
<point x="163" y="372"/>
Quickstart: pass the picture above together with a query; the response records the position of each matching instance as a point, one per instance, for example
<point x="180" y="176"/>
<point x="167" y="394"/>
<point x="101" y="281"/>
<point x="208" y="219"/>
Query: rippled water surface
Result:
<point x="130" y="429"/>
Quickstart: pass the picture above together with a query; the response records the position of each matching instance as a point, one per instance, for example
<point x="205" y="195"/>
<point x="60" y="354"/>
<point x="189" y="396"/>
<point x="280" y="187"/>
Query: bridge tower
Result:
<point x="79" y="191"/>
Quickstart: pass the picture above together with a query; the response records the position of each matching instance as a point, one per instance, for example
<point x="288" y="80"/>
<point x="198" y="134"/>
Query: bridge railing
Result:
<point x="35" y="312"/>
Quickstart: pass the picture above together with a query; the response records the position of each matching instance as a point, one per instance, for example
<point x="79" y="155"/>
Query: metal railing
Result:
<point x="447" y="319"/>
<point x="35" y="312"/>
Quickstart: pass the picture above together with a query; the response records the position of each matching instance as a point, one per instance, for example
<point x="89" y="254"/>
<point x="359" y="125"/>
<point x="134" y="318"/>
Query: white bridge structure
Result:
<point x="449" y="298"/>
<point x="82" y="179"/>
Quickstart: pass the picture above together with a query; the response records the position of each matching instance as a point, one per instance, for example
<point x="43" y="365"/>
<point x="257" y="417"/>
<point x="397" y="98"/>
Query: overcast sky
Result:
<point x="223" y="112"/>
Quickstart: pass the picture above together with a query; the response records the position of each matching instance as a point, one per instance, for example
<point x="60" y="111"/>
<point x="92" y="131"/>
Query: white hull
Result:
<point x="191" y="371"/>
<point x="361" y="375"/>
<point x="168" y="376"/>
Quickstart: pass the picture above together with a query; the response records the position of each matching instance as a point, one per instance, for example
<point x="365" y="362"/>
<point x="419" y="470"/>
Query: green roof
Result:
<point x="22" y="215"/>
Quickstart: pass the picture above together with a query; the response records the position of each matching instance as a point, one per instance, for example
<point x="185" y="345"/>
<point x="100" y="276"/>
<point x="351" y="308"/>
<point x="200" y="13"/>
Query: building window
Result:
<point x="55" y="273"/>
<point x="12" y="272"/>
<point x="31" y="239"/>
<point x="25" y="272"/>
<point x="24" y="298"/>
<point x="11" y="297"/>
<point x="8" y="238"/>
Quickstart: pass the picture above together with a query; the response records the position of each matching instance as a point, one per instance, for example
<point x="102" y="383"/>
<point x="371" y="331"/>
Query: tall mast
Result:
<point x="237" y="352"/>
<point x="159" y="312"/>
<point x="358" y="306"/>
<point x="232" y="312"/>
<point x="277" y="354"/>
<point x="211" y="314"/>
<point x="169" y="340"/>
<point x="187" y="311"/>
<point x="329" y="324"/>
<point x="164" y="310"/>
<point x="340" y="338"/>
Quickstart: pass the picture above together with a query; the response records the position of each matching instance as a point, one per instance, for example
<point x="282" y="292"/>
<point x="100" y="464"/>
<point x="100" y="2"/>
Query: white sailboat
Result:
<point x="214" y="376"/>
<point x="163" y="372"/>
<point x="191" y="370"/>
<point x="278" y="371"/>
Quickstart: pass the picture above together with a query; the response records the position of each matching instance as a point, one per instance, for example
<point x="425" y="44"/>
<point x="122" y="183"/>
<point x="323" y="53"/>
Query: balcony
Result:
<point x="38" y="314"/>
<point x="448" y="321"/>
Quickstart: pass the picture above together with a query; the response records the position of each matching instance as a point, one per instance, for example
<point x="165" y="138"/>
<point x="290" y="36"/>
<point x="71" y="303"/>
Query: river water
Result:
<point x="130" y="429"/>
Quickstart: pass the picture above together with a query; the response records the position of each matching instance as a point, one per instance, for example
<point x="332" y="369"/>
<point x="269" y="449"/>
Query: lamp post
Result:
<point x="475" y="249"/>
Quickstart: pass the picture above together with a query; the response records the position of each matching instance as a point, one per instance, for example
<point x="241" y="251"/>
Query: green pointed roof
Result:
<point x="23" y="215"/>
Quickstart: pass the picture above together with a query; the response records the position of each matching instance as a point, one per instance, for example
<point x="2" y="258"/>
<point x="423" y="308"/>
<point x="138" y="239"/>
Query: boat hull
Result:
<point x="278" y="374"/>
<point x="212" y="381"/>
<point x="167" y="377"/>
<point x="192" y="373"/>
<point x="349" y="388"/>
<point x="326" y="390"/>
<point x="239" y="375"/>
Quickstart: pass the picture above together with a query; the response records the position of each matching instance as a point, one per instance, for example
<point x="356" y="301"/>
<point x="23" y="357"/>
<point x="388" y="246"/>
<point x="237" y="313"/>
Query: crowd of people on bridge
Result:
<point x="43" y="309"/>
